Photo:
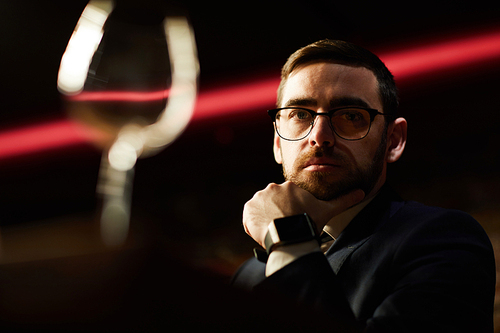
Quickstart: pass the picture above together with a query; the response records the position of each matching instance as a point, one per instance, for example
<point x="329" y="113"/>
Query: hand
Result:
<point x="288" y="199"/>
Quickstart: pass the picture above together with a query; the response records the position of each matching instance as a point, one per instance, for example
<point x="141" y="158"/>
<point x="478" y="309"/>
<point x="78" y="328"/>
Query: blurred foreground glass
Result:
<point x="131" y="73"/>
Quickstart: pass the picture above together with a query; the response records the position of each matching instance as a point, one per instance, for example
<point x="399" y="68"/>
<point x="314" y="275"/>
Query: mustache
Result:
<point x="322" y="151"/>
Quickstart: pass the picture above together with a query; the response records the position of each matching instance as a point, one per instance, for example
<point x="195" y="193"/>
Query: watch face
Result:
<point x="293" y="227"/>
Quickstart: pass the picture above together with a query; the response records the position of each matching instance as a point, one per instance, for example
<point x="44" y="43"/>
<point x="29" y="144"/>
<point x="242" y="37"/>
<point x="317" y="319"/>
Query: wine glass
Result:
<point x="130" y="72"/>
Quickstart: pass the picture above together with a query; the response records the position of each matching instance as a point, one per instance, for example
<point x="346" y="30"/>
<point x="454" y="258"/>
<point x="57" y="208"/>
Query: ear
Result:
<point x="396" y="139"/>
<point x="277" y="148"/>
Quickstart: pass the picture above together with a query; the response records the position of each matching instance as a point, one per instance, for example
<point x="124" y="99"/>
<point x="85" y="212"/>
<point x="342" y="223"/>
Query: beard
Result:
<point x="324" y="186"/>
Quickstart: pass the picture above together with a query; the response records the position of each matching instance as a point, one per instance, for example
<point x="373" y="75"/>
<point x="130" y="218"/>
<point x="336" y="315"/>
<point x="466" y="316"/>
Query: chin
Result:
<point x="330" y="193"/>
<point x="322" y="187"/>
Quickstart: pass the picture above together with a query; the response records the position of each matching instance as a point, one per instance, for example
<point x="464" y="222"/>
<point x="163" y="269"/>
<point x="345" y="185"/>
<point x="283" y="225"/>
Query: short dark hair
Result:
<point x="345" y="53"/>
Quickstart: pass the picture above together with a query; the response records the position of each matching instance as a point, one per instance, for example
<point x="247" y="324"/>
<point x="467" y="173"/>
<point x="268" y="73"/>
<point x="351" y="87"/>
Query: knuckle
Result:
<point x="271" y="186"/>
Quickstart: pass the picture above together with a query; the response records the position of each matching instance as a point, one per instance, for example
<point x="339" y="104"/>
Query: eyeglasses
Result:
<point x="348" y="122"/>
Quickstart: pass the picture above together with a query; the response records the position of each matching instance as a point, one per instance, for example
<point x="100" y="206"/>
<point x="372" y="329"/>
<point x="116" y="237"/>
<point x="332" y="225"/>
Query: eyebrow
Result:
<point x="301" y="102"/>
<point x="334" y="103"/>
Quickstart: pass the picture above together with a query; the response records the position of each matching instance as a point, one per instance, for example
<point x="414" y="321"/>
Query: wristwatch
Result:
<point x="290" y="230"/>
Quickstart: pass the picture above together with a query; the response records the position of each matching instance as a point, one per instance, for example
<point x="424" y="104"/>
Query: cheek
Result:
<point x="289" y="154"/>
<point x="375" y="151"/>
<point x="360" y="153"/>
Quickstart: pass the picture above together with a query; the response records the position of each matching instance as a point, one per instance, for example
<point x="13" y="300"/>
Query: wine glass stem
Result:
<point x="115" y="189"/>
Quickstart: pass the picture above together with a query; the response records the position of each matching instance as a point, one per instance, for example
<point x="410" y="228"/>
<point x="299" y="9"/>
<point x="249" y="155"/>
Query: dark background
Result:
<point x="189" y="198"/>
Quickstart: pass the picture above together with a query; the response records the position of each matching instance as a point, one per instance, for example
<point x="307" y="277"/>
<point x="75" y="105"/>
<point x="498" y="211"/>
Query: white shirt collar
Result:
<point x="338" y="223"/>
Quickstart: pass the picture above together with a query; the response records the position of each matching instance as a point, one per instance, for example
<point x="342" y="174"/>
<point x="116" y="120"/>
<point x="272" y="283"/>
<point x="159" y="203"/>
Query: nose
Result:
<point x="322" y="132"/>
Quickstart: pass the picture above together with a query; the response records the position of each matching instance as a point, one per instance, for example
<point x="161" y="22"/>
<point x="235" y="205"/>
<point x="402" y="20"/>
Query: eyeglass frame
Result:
<point x="372" y="112"/>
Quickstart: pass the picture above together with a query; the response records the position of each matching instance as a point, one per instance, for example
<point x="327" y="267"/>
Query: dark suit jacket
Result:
<point x="397" y="267"/>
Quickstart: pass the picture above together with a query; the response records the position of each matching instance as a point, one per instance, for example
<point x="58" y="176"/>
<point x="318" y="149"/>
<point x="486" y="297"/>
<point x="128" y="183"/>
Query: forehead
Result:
<point x="320" y="83"/>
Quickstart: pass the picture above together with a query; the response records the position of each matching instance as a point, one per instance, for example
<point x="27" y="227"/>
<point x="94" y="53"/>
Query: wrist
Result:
<point x="284" y="255"/>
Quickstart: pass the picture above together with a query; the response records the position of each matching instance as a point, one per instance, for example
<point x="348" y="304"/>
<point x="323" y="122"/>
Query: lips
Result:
<point x="320" y="164"/>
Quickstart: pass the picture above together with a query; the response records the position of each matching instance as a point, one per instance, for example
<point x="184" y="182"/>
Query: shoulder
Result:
<point x="392" y="221"/>
<point x="418" y="228"/>
<point x="409" y="229"/>
<point x="416" y="216"/>
<point x="412" y="214"/>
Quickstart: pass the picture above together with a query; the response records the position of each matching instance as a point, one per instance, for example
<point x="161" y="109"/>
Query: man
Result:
<point x="383" y="264"/>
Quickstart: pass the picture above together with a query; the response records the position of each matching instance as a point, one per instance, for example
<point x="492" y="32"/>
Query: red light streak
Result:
<point x="421" y="61"/>
<point x="450" y="55"/>
<point x="39" y="137"/>
<point x="121" y="96"/>
<point x="236" y="99"/>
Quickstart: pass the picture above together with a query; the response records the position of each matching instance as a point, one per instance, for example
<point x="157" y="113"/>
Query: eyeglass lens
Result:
<point x="349" y="123"/>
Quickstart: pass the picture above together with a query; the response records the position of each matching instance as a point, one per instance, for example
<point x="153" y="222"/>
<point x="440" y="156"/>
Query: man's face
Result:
<point x="323" y="163"/>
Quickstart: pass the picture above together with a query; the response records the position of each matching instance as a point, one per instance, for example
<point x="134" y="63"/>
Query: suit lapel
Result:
<point x="337" y="256"/>
<point x="363" y="226"/>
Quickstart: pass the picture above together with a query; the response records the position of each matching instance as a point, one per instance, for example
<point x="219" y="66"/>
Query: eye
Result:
<point x="298" y="114"/>
<point x="353" y="116"/>
<point x="358" y="118"/>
